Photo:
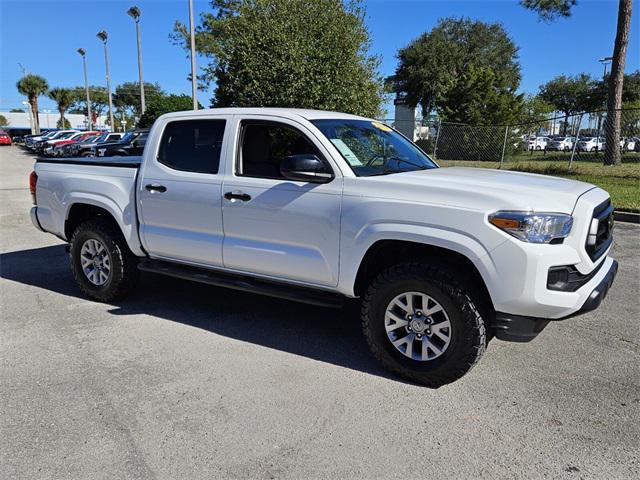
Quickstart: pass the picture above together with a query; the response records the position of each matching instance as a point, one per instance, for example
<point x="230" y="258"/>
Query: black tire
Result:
<point x="468" y="334"/>
<point x="86" y="154"/>
<point x="123" y="263"/>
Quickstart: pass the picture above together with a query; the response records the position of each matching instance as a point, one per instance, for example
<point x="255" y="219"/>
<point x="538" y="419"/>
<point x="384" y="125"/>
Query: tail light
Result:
<point x="33" y="181"/>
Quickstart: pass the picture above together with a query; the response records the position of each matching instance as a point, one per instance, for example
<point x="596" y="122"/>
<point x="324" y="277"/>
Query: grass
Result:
<point x="622" y="182"/>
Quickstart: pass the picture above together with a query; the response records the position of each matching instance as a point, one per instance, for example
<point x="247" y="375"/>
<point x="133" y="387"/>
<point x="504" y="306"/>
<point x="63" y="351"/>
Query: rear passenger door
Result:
<point x="180" y="192"/>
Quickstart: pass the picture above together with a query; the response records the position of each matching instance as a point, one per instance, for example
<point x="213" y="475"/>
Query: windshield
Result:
<point x="373" y="148"/>
<point x="127" y="137"/>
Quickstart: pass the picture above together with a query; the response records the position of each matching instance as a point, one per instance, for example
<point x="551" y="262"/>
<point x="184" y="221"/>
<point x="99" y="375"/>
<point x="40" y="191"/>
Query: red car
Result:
<point x="5" y="139"/>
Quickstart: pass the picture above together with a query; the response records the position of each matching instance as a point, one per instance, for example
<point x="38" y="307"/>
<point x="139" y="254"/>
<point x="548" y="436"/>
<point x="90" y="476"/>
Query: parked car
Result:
<point x="628" y="144"/>
<point x="131" y="144"/>
<point x="537" y="143"/>
<point x="85" y="149"/>
<point x="323" y="207"/>
<point x="5" y="139"/>
<point x="50" y="146"/>
<point x="39" y="146"/>
<point x="590" y="144"/>
<point x="31" y="140"/>
<point x="17" y="134"/>
<point x="42" y="145"/>
<point x="560" y="144"/>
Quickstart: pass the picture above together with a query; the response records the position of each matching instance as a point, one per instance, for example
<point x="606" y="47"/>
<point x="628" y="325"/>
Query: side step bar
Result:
<point x="244" y="283"/>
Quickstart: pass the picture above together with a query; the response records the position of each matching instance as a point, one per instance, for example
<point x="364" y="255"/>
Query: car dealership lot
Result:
<point x="185" y="380"/>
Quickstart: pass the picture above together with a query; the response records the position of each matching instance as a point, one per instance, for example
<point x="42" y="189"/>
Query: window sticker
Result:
<point x="380" y="126"/>
<point x="346" y="152"/>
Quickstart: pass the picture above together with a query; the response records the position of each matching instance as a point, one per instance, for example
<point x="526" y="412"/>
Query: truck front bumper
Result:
<point x="516" y="328"/>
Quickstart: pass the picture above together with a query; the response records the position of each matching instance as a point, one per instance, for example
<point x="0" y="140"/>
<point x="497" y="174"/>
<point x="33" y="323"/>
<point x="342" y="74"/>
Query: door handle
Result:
<point x="154" y="187"/>
<point x="245" y="197"/>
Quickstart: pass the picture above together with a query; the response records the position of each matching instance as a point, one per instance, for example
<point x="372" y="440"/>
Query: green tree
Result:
<point x="551" y="9"/>
<point x="64" y="98"/>
<point x="432" y="65"/>
<point x="127" y="96"/>
<point x="32" y="86"/>
<point x="165" y="104"/>
<point x="63" y="123"/>
<point x="570" y="95"/>
<point x="481" y="96"/>
<point x="17" y="110"/>
<point x="535" y="114"/>
<point x="99" y="101"/>
<point x="3" y="121"/>
<point x="288" y="53"/>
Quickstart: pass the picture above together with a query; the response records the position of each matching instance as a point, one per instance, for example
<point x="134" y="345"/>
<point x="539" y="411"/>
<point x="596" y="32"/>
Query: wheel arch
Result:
<point x="87" y="209"/>
<point x="384" y="253"/>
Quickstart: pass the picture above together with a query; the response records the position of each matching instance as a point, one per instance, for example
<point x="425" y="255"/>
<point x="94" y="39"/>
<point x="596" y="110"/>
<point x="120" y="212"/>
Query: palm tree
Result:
<point x="63" y="97"/>
<point x="32" y="86"/>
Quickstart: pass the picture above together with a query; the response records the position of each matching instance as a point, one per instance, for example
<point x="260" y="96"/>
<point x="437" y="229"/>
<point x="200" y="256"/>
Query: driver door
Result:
<point x="276" y="227"/>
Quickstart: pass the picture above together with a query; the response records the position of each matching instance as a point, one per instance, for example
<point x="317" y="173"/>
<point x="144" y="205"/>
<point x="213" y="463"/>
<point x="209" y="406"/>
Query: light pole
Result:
<point x="47" y="112"/>
<point x="134" y="12"/>
<point x="102" y="35"/>
<point x="192" y="38"/>
<point x="83" y="53"/>
<point x="28" y="105"/>
<point x="605" y="61"/>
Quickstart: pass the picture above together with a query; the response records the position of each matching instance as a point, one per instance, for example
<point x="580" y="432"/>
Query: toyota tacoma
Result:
<point x="328" y="208"/>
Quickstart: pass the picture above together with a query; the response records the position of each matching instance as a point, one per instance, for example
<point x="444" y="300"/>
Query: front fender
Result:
<point x="451" y="239"/>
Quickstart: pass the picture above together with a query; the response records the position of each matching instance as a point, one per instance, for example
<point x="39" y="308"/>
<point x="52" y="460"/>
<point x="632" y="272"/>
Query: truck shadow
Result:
<point x="323" y="334"/>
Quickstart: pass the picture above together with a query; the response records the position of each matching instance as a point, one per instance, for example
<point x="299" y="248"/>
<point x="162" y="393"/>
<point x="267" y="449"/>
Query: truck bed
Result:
<point x="123" y="162"/>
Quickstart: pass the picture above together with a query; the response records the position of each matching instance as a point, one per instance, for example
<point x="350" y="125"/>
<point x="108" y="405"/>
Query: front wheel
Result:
<point x="422" y="325"/>
<point x="102" y="264"/>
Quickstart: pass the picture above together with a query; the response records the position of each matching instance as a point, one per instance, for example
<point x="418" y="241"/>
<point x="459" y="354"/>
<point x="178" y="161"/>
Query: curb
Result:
<point x="626" y="217"/>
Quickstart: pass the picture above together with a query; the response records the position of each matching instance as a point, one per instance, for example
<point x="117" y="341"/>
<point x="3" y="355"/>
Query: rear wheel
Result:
<point x="102" y="264"/>
<point x="422" y="325"/>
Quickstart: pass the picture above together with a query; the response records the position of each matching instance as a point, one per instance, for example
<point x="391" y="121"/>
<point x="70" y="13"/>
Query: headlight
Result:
<point x="533" y="227"/>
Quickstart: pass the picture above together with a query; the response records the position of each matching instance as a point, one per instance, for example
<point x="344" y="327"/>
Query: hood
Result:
<point x="483" y="189"/>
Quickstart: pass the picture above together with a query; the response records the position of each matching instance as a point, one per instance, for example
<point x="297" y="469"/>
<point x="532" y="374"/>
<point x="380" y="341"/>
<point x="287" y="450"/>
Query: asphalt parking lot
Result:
<point x="189" y="381"/>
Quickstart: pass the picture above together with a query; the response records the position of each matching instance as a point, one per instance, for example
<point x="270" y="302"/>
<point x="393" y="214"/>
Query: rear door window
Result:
<point x="192" y="145"/>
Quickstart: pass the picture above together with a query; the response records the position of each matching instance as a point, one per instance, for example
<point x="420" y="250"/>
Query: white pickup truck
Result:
<point x="323" y="207"/>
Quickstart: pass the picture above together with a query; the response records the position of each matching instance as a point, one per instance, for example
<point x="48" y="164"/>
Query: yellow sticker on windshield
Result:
<point x="381" y="126"/>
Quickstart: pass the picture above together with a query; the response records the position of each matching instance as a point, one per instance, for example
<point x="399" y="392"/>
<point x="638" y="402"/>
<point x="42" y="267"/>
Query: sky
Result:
<point x="43" y="37"/>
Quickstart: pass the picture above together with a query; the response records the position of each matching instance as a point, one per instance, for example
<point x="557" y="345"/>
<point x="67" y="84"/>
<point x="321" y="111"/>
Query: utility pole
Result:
<point x="192" y="37"/>
<point x="83" y="53"/>
<point x="102" y="35"/>
<point x="134" y="12"/>
<point x="605" y="61"/>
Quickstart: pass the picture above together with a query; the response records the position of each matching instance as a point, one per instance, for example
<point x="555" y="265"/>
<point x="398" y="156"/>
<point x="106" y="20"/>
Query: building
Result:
<point x="50" y="120"/>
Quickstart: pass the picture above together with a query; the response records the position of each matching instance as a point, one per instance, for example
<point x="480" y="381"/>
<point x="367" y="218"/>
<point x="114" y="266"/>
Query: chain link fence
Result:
<point x="574" y="138"/>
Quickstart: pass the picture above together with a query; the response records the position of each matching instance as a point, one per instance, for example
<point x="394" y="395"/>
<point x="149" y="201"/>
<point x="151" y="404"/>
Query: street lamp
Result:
<point x="83" y="53"/>
<point x="28" y="105"/>
<point x="192" y="37"/>
<point x="48" y="112"/>
<point x="134" y="12"/>
<point x="605" y="61"/>
<point x="102" y="35"/>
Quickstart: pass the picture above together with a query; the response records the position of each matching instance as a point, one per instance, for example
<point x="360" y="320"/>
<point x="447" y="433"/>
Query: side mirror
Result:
<point x="305" y="167"/>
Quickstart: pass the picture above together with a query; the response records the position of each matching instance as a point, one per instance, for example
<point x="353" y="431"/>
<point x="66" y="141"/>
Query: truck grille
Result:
<point x="600" y="233"/>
